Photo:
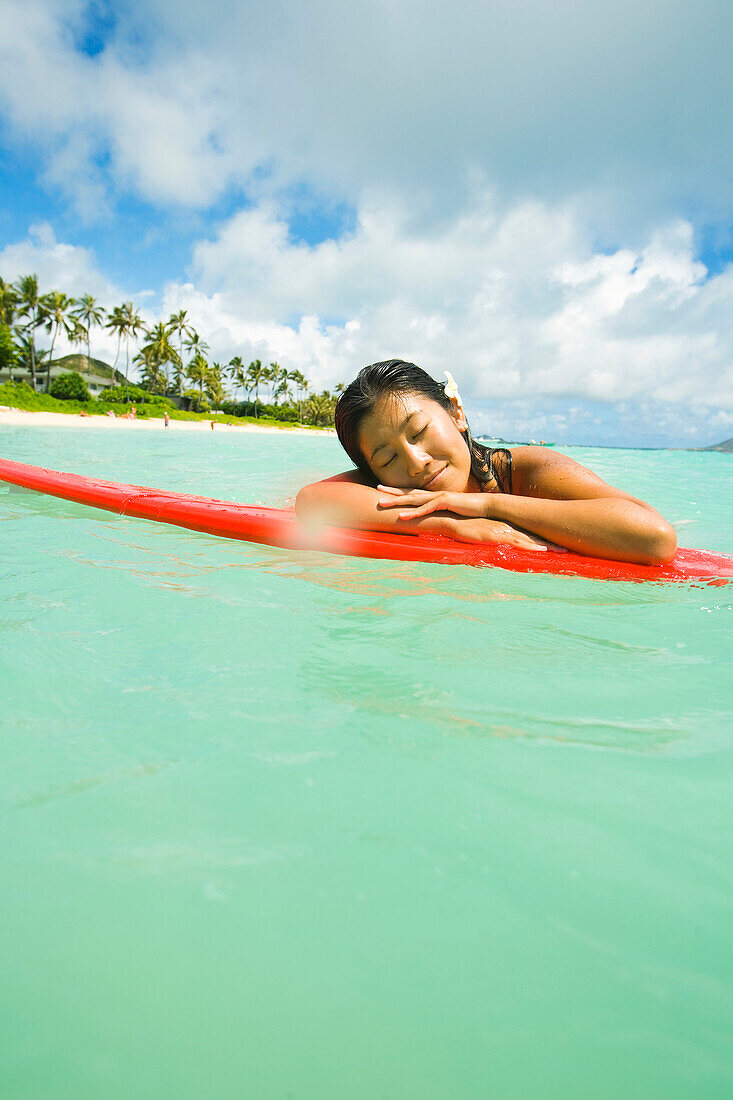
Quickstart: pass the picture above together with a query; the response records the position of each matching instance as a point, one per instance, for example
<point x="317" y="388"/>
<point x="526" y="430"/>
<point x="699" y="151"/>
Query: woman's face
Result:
<point x="412" y="442"/>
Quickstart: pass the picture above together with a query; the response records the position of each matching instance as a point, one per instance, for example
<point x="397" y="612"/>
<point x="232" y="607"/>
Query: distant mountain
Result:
<point x="84" y="365"/>
<point x="726" y="447"/>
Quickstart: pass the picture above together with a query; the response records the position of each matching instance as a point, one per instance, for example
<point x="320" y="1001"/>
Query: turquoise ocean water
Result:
<point x="290" y="825"/>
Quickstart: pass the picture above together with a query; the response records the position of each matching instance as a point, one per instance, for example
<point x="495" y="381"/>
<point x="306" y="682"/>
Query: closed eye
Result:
<point x="418" y="434"/>
<point x="386" y="464"/>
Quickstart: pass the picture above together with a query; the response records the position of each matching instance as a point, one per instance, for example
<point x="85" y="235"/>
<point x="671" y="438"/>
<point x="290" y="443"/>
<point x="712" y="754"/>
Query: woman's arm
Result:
<point x="560" y="500"/>
<point x="346" y="500"/>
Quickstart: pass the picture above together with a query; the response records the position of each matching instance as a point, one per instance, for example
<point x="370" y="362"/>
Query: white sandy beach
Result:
<point x="65" y="420"/>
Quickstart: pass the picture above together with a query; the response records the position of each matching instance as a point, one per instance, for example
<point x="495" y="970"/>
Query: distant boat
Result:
<point x="514" y="443"/>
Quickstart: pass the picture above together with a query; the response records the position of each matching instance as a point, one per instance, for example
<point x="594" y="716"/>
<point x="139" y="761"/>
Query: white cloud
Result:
<point x="60" y="266"/>
<point x="625" y="104"/>
<point x="546" y="336"/>
<point x="517" y="304"/>
<point x="487" y="148"/>
<point x="66" y="267"/>
<point x="152" y="120"/>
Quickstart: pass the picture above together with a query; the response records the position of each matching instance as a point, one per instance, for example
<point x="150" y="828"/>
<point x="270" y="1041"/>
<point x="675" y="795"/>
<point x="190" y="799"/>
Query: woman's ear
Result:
<point x="458" y="414"/>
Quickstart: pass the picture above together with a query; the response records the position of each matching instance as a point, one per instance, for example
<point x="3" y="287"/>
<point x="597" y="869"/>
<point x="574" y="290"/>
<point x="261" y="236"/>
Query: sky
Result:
<point x="535" y="196"/>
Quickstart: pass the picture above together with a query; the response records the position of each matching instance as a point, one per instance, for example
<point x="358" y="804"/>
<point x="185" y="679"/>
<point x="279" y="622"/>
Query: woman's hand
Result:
<point x="467" y="518"/>
<point x="468" y="529"/>
<point x="421" y="502"/>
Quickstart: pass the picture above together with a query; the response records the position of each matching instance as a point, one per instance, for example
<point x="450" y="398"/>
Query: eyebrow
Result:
<point x="401" y="428"/>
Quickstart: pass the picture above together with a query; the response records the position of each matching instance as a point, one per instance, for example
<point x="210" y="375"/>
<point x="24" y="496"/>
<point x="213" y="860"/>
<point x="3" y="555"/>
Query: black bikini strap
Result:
<point x="507" y="469"/>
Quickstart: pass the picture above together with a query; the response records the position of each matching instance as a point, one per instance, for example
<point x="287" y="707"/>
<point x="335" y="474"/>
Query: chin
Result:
<point x="450" y="481"/>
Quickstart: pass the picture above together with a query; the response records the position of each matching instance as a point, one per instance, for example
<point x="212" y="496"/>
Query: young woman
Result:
<point x="419" y="470"/>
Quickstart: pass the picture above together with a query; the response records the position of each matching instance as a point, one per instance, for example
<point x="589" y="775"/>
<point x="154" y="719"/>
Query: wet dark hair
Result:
<point x="397" y="376"/>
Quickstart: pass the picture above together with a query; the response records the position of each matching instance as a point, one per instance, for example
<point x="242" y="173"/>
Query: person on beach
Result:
<point x="166" y="420"/>
<point x="418" y="469"/>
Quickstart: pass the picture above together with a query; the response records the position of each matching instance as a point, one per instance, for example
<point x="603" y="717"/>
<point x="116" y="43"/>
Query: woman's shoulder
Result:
<point x="533" y="457"/>
<point x="545" y="472"/>
<point x="531" y="451"/>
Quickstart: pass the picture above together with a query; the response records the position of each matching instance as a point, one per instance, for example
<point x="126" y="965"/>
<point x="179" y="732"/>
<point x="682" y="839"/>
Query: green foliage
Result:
<point x="16" y="394"/>
<point x="319" y="409"/>
<point x="234" y="408"/>
<point x="199" y="401"/>
<point x="21" y="395"/>
<point x="115" y="395"/>
<point x="8" y="350"/>
<point x="280" y="396"/>
<point x="69" y="387"/>
<point x="9" y="301"/>
<point x="156" y="356"/>
<point x="285" y="413"/>
<point x="282" y="412"/>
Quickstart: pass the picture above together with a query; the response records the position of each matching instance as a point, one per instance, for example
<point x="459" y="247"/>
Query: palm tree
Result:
<point x="194" y="343"/>
<point x="299" y="380"/>
<point x="30" y="306"/>
<point x="8" y="351"/>
<point x="319" y="409"/>
<point x="161" y="349"/>
<point x="117" y="323"/>
<point x="236" y="373"/>
<point x="8" y="303"/>
<point x="88" y="313"/>
<point x="268" y="377"/>
<point x="177" y="376"/>
<point x="126" y="322"/>
<point x="214" y="387"/>
<point x="255" y="376"/>
<point x="133" y="325"/>
<point x="198" y="373"/>
<point x="153" y="378"/>
<point x="56" y="315"/>
<point x="27" y="351"/>
<point x="177" y="324"/>
<point x="198" y="346"/>
<point x="283" y="388"/>
<point x="79" y="335"/>
<point x="277" y="376"/>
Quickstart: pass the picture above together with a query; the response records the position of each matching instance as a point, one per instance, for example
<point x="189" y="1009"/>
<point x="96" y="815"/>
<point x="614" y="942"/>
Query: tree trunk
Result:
<point x="50" y="359"/>
<point x="33" y="357"/>
<point x="114" y="365"/>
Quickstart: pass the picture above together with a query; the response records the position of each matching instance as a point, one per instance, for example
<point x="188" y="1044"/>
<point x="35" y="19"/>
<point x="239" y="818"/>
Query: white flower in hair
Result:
<point x="450" y="387"/>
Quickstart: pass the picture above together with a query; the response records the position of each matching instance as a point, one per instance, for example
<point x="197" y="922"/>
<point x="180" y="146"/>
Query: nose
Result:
<point x="416" y="460"/>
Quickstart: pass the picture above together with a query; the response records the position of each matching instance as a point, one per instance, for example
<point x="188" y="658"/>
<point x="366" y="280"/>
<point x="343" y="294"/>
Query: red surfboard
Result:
<point x="280" y="527"/>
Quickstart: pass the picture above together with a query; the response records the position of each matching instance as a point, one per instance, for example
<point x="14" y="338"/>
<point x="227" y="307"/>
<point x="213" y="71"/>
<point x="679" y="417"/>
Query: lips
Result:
<point x="430" y="484"/>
